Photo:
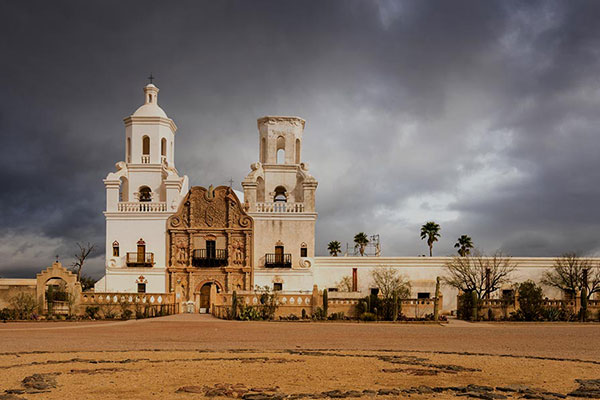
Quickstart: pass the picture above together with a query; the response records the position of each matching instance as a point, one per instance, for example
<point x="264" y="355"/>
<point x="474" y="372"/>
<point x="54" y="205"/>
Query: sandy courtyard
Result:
<point x="191" y="356"/>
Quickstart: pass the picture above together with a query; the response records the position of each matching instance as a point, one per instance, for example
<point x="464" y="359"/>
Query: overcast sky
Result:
<point x="482" y="116"/>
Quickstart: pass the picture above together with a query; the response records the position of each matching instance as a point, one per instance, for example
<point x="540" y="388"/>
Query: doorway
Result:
<point x="205" y="298"/>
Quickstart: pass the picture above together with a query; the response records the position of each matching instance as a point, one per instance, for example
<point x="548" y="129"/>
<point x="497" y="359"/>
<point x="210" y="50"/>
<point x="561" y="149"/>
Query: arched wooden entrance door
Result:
<point x="205" y="297"/>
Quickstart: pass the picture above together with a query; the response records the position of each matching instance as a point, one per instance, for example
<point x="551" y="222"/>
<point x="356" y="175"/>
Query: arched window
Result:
<point x="263" y="150"/>
<point x="124" y="189"/>
<point x="146" y="146"/>
<point x="281" y="156"/>
<point x="145" y="193"/>
<point x="303" y="250"/>
<point x="280" y="150"/>
<point x="297" y="151"/>
<point x="163" y="147"/>
<point x="128" y="150"/>
<point x="115" y="249"/>
<point x="280" y="195"/>
<point x="260" y="190"/>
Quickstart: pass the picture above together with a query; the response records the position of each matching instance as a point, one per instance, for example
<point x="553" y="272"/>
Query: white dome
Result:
<point x="150" y="107"/>
<point x="150" y="110"/>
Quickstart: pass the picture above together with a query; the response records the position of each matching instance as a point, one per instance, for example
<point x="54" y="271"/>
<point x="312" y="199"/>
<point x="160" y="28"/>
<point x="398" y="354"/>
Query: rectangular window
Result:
<point x="303" y="252"/>
<point x="116" y="251"/>
<point x="374" y="291"/>
<point x="423" y="295"/>
<point x="141" y="288"/>
<point x="277" y="287"/>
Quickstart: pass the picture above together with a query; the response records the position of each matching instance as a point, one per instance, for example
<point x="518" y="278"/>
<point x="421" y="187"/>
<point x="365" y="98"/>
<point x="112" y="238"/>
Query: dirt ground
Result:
<point x="193" y="356"/>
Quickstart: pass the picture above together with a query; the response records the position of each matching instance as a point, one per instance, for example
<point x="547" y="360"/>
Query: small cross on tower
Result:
<point x="230" y="182"/>
<point x="151" y="78"/>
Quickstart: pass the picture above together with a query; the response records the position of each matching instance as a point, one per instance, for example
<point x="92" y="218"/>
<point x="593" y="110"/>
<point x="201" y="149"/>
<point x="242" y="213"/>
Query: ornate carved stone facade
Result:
<point x="210" y="244"/>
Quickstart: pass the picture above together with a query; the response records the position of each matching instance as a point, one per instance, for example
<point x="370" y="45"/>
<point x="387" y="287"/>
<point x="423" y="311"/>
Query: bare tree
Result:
<point x="390" y="282"/>
<point x="478" y="273"/>
<point x="569" y="274"/>
<point x="345" y="284"/>
<point x="84" y="251"/>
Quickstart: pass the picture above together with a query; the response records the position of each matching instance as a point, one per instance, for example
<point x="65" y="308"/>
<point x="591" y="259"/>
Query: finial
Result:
<point x="151" y="78"/>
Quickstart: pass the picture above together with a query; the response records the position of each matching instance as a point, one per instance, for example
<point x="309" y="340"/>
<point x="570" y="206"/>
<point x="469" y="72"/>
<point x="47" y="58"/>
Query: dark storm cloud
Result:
<point x="480" y="115"/>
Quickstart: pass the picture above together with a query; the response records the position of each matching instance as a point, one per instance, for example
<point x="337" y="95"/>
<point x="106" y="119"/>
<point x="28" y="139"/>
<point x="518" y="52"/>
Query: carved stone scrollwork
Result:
<point x="305" y="262"/>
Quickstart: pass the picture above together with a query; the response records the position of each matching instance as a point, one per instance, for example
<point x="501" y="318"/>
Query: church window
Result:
<point x="263" y="151"/>
<point x="145" y="194"/>
<point x="280" y="150"/>
<point x="146" y="146"/>
<point x="141" y="288"/>
<point x="128" y="150"/>
<point x="280" y="156"/>
<point x="115" y="249"/>
<point x="374" y="291"/>
<point x="297" y="151"/>
<point x="163" y="147"/>
<point x="303" y="251"/>
<point x="277" y="287"/>
<point x="280" y="194"/>
<point x="423" y="295"/>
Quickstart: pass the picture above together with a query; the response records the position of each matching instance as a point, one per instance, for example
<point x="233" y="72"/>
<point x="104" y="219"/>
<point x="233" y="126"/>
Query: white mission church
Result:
<point x="196" y="243"/>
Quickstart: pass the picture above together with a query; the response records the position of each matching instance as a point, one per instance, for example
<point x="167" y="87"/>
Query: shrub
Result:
<point x="465" y="306"/>
<point x="268" y="302"/>
<point x="126" y="314"/>
<point x="530" y="300"/>
<point x="23" y="305"/>
<point x="108" y="311"/>
<point x="552" y="314"/>
<point x="249" y="313"/>
<point x="304" y="314"/>
<point x="6" y="314"/>
<point x="291" y="317"/>
<point x="336" y="316"/>
<point x="319" y="314"/>
<point x="367" y="316"/>
<point x="92" y="311"/>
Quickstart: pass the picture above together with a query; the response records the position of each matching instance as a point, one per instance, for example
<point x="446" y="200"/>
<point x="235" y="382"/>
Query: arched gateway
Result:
<point x="210" y="247"/>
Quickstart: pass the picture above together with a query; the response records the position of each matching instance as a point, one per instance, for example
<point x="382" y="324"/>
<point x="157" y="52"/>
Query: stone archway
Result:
<point x="57" y="271"/>
<point x="207" y="294"/>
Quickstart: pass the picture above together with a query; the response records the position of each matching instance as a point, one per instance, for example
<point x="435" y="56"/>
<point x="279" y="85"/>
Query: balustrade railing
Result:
<point x="273" y="260"/>
<point x="135" y="259"/>
<point x="145" y="159"/>
<point x="209" y="258"/>
<point x="279" y="207"/>
<point x="141" y="206"/>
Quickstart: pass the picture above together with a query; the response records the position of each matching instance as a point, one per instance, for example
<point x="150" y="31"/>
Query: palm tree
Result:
<point x="464" y="245"/>
<point x="431" y="231"/>
<point x="334" y="247"/>
<point x="361" y="241"/>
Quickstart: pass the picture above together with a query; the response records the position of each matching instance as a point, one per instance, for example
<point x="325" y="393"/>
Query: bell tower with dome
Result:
<point x="144" y="191"/>
<point x="279" y="194"/>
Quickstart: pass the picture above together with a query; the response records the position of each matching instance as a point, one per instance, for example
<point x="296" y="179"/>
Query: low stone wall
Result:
<point x="10" y="288"/>
<point x="501" y="309"/>
<point x="292" y="303"/>
<point x="151" y="304"/>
